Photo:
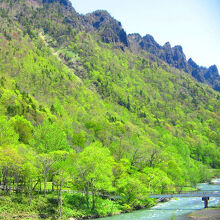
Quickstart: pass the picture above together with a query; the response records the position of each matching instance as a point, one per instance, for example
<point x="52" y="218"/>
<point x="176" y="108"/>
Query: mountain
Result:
<point x="91" y="119"/>
<point x="111" y="31"/>
<point x="109" y="28"/>
<point x="176" y="58"/>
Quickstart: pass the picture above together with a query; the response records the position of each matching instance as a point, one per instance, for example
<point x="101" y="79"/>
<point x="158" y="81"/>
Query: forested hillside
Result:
<point x="88" y="127"/>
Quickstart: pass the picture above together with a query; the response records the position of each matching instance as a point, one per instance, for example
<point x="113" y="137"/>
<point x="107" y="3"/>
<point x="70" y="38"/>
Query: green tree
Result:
<point x="7" y="133"/>
<point x="62" y="174"/>
<point x="49" y="137"/>
<point x="10" y="165"/>
<point x="93" y="171"/>
<point x="23" y="128"/>
<point x="47" y="163"/>
<point x="157" y="180"/>
<point x="29" y="173"/>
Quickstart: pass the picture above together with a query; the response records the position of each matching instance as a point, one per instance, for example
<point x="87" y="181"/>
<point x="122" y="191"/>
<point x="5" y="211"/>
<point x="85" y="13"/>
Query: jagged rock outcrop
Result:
<point x="148" y="43"/>
<point x="207" y="75"/>
<point x="176" y="58"/>
<point x="134" y="40"/>
<point x="196" y="71"/>
<point x="110" y="29"/>
<point x="66" y="3"/>
<point x="173" y="56"/>
<point x="211" y="73"/>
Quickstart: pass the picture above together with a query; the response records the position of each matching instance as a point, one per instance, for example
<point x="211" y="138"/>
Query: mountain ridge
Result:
<point x="111" y="31"/>
<point x="176" y="57"/>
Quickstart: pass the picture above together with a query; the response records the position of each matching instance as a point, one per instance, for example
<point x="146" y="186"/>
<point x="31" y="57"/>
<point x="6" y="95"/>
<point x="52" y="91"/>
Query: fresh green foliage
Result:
<point x="7" y="133"/>
<point x="48" y="137"/>
<point x="96" y="125"/>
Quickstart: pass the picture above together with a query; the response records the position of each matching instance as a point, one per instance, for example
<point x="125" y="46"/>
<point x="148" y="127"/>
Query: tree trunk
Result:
<point x="58" y="194"/>
<point x="52" y="185"/>
<point x="93" y="200"/>
<point x="35" y="185"/>
<point x="61" y="199"/>
<point x="29" y="198"/>
<point x="30" y="193"/>
<point x="5" y="179"/>
<point x="45" y="185"/>
<point x="40" y="186"/>
<point x="87" y="197"/>
<point x="13" y="187"/>
<point x="6" y="185"/>
<point x="17" y="187"/>
<point x="9" y="187"/>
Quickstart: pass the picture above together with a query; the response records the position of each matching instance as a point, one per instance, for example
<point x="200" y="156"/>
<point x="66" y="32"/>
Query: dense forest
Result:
<point x="89" y="127"/>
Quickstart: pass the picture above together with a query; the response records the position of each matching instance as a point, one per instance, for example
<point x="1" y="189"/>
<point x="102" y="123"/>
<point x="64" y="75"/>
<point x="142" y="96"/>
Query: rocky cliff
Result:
<point x="110" y="29"/>
<point x="176" y="58"/>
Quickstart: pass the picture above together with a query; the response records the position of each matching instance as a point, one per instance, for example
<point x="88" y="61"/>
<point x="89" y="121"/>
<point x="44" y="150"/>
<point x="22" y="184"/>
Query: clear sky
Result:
<point x="193" y="24"/>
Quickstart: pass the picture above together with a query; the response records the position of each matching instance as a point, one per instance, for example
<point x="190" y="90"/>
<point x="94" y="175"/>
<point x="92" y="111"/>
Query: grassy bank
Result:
<point x="36" y="206"/>
<point x="215" y="173"/>
<point x="21" y="207"/>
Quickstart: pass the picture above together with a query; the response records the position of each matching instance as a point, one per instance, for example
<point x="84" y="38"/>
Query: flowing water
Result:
<point x="175" y="208"/>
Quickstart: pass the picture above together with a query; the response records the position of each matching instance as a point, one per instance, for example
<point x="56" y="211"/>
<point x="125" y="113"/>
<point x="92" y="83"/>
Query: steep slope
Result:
<point x="118" y="122"/>
<point x="175" y="57"/>
<point x="139" y="85"/>
<point x="110" y="29"/>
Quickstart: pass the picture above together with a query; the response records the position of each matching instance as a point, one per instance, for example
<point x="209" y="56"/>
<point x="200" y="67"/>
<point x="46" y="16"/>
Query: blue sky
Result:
<point x="193" y="24"/>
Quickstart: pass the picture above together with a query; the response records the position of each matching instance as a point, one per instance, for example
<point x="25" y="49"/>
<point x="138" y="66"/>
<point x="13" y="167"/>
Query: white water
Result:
<point x="173" y="208"/>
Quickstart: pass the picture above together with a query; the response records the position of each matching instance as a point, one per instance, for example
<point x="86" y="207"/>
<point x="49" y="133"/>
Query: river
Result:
<point x="175" y="208"/>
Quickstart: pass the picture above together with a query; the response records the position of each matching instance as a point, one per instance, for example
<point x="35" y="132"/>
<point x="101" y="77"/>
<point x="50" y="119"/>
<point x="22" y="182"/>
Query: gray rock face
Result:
<point x="176" y="58"/>
<point x="211" y="73"/>
<point x="173" y="56"/>
<point x="66" y="3"/>
<point x="109" y="28"/>
<point x="148" y="43"/>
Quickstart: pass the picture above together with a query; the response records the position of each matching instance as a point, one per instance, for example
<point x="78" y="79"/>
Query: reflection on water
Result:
<point x="172" y="208"/>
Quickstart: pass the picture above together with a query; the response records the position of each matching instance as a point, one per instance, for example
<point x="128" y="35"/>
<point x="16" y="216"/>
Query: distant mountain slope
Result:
<point x="111" y="31"/>
<point x="175" y="57"/>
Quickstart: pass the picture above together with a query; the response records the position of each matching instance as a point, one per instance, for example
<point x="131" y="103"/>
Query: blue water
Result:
<point x="173" y="208"/>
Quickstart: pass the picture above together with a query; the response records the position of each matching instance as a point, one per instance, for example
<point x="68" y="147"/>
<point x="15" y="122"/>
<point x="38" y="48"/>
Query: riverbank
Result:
<point x="178" y="209"/>
<point x="17" y="206"/>
<point x="205" y="214"/>
<point x="212" y="213"/>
